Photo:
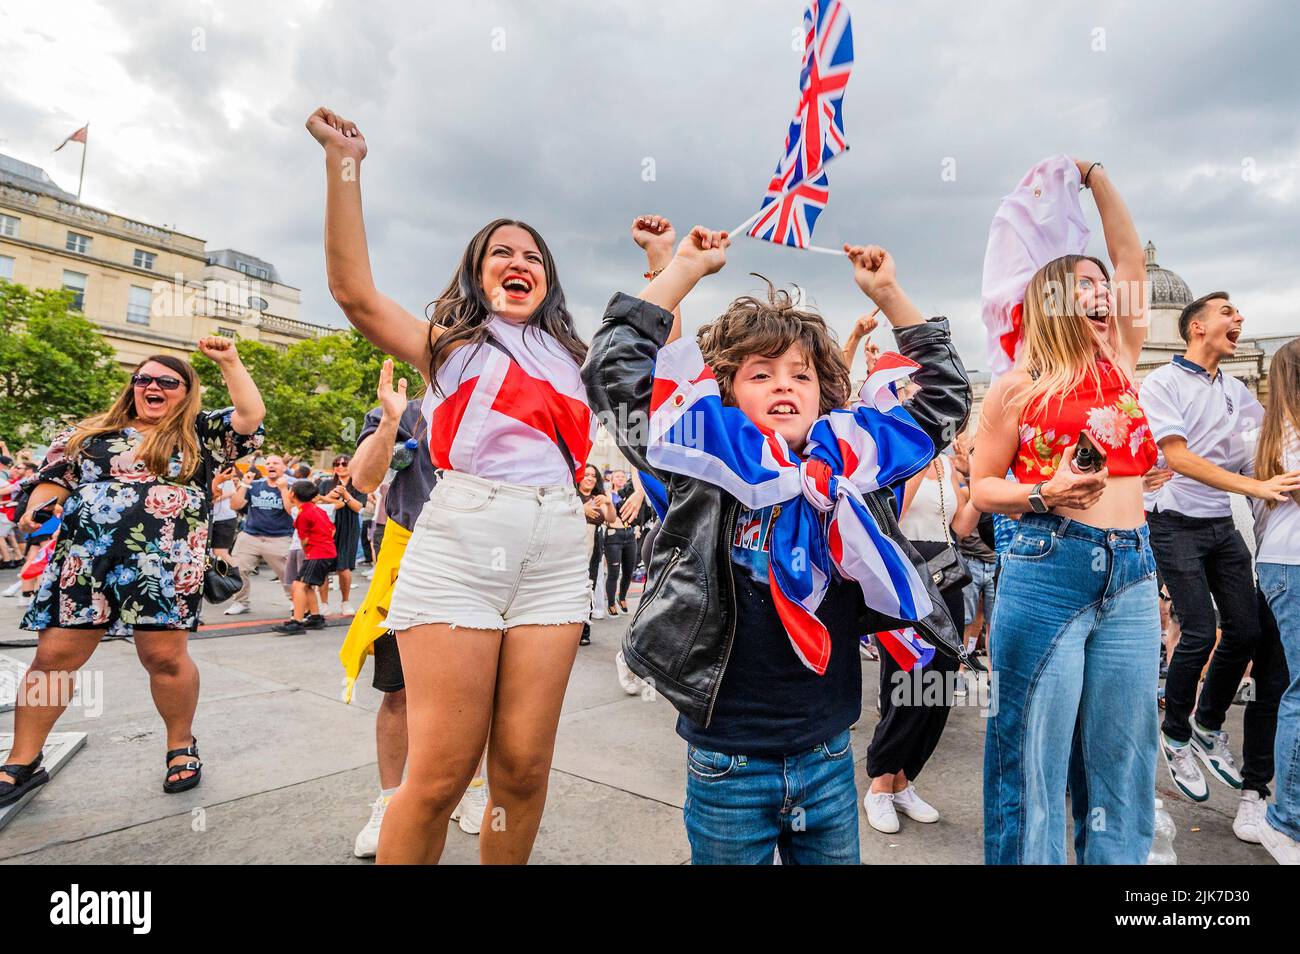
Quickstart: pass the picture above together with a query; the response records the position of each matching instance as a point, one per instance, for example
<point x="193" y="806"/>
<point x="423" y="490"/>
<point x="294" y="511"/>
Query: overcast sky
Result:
<point x="548" y="111"/>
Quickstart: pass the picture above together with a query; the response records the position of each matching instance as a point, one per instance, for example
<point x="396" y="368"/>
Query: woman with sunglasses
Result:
<point x="135" y="485"/>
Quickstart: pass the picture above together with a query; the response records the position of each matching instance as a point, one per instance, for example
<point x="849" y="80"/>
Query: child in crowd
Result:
<point x="780" y="504"/>
<point x="316" y="533"/>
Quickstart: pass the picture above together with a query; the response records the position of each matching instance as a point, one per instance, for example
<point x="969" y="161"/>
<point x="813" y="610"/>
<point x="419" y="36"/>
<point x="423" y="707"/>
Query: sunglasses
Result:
<point x="341" y="463"/>
<point x="164" y="381"/>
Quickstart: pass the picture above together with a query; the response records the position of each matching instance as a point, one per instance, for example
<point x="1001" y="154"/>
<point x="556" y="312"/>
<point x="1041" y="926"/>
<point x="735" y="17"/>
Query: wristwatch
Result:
<point x="1036" y="502"/>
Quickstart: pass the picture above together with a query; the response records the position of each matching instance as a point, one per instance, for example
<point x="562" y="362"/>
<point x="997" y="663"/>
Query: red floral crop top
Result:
<point x="1115" y="420"/>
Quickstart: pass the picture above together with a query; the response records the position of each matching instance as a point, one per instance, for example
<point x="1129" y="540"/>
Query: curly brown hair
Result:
<point x="752" y="326"/>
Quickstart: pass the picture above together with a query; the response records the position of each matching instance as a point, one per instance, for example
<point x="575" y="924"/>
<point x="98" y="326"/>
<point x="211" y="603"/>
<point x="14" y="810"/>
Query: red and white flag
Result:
<point x="78" y="136"/>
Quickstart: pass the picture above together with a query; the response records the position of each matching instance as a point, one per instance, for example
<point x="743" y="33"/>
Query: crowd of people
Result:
<point x="785" y="526"/>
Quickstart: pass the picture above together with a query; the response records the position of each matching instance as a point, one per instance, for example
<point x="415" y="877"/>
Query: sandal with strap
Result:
<point x="172" y="782"/>
<point x="25" y="778"/>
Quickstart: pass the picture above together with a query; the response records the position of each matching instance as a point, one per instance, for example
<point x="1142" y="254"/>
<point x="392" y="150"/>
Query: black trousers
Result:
<point x="620" y="561"/>
<point x="1205" y="563"/>
<point x="910" y="727"/>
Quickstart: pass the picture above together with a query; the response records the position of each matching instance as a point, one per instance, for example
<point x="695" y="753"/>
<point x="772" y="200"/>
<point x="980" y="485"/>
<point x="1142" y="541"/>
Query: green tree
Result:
<point x="317" y="391"/>
<point x="55" y="366"/>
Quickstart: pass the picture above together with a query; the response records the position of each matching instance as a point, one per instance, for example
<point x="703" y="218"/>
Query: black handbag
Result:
<point x="946" y="568"/>
<point x="221" y="579"/>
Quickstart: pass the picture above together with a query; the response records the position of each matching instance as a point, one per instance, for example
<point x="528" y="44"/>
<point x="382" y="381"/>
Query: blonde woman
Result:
<point x="1075" y="633"/>
<point x="135" y="485"/>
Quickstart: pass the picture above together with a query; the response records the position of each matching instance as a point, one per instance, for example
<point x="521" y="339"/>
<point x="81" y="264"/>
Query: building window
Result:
<point x="76" y="282"/>
<point x="143" y="259"/>
<point x="137" y="308"/>
<point x="78" y="243"/>
<point x="258" y="304"/>
<point x="227" y="332"/>
<point x="9" y="226"/>
<point x="6" y="267"/>
<point x="263" y="274"/>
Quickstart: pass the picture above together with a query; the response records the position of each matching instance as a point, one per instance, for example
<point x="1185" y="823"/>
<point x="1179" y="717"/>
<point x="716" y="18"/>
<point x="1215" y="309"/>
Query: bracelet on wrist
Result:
<point x="1084" y="184"/>
<point x="652" y="275"/>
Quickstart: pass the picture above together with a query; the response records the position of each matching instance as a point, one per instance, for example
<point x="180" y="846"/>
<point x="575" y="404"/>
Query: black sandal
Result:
<point x="26" y="777"/>
<point x="172" y="782"/>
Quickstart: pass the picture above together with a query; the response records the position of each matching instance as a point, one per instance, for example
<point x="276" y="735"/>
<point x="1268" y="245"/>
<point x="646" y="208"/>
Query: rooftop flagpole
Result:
<point x="85" y="144"/>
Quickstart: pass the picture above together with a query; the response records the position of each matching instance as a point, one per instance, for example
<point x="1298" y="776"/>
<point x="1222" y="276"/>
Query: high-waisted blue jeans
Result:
<point x="1075" y="643"/>
<point x="1280" y="583"/>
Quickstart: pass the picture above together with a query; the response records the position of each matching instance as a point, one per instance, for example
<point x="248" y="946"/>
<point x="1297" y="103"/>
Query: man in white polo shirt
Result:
<point x="1198" y="416"/>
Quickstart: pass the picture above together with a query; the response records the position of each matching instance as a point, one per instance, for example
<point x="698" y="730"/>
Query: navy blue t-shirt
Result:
<point x="265" y="513"/>
<point x="770" y="703"/>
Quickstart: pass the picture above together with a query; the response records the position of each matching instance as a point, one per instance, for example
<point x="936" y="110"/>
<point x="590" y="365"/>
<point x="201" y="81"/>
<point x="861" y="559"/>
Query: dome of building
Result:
<point x="1168" y="290"/>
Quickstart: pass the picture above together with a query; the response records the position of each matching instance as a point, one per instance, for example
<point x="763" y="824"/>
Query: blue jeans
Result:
<point x="1280" y="584"/>
<point x="740" y="809"/>
<point x="1075" y="642"/>
<point x="983" y="577"/>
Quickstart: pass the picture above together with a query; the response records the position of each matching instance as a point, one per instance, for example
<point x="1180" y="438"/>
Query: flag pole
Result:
<point x="84" y="146"/>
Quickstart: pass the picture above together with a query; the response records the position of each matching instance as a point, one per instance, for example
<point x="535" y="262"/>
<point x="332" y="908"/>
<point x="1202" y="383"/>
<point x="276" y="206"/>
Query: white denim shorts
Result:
<point x="490" y="555"/>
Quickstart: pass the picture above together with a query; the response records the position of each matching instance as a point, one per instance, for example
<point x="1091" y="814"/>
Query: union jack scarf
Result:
<point x="824" y="518"/>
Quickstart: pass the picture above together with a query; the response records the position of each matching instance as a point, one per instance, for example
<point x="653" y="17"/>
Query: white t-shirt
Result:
<point x="1277" y="528"/>
<point x="1213" y="415"/>
<point x="221" y="510"/>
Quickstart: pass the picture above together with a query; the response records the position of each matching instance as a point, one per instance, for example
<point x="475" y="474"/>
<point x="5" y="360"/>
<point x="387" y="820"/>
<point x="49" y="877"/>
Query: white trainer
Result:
<point x="367" y="843"/>
<point x="626" y="677"/>
<point x="1183" y="769"/>
<point x="473" y="804"/>
<point x="1284" y="849"/>
<point x="880" y="811"/>
<point x="1250" y="817"/>
<point x="1212" y="748"/>
<point x="345" y="608"/>
<point x="236" y="609"/>
<point x="13" y="588"/>
<point x="914" y="806"/>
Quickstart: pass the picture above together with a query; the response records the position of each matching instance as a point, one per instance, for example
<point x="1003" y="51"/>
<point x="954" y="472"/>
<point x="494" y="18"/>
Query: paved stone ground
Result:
<point x="290" y="776"/>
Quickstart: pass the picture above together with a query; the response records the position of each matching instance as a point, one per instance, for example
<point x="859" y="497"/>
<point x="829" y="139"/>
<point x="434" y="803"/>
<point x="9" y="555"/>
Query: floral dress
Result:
<point x="132" y="547"/>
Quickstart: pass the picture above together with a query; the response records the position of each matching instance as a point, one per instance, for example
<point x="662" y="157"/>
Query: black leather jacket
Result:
<point x="681" y="636"/>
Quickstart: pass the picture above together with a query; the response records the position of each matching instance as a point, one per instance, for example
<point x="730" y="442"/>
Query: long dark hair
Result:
<point x="174" y="433"/>
<point x="463" y="310"/>
<point x="598" y="488"/>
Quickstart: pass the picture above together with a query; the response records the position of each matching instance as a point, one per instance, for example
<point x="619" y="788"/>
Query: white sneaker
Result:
<point x="236" y="609"/>
<point x="914" y="806"/>
<point x="13" y="588"/>
<point x="1183" y="769"/>
<point x="1250" y="817"/>
<point x="367" y="843"/>
<point x="880" y="811"/>
<point x="473" y="804"/>
<point x="626" y="677"/>
<point x="346" y="608"/>
<point x="1212" y="748"/>
<point x="1284" y="849"/>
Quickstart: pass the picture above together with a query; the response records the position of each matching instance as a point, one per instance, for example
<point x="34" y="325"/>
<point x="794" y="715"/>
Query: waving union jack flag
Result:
<point x="817" y="130"/>
<point x="799" y="189"/>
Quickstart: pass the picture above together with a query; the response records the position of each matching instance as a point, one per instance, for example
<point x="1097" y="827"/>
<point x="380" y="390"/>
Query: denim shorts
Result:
<point x="489" y="555"/>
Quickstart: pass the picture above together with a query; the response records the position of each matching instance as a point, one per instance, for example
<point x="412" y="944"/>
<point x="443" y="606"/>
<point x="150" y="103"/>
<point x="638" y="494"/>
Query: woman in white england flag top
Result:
<point x="489" y="605"/>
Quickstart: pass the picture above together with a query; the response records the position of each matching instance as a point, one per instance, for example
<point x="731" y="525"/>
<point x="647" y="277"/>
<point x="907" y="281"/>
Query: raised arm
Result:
<point x="942" y="404"/>
<point x="386" y="324"/>
<point x="247" y="400"/>
<point x="1127" y="257"/>
<point x="862" y="328"/>
<point x="375" y="449"/>
<point x="619" y="370"/>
